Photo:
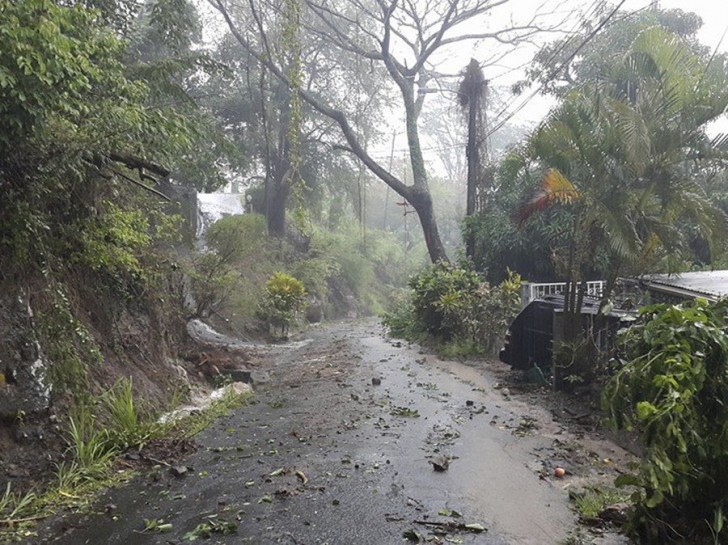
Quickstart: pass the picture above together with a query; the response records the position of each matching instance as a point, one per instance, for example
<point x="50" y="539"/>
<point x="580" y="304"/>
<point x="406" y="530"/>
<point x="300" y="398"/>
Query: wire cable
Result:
<point x="571" y="56"/>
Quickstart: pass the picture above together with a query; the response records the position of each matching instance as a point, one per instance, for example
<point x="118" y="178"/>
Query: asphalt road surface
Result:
<point x="342" y="445"/>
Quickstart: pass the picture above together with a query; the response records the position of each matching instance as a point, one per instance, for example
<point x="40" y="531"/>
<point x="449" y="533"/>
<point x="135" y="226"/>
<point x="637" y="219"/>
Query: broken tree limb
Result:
<point x="450" y="525"/>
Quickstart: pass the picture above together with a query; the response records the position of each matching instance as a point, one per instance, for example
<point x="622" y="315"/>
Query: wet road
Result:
<point x="324" y="456"/>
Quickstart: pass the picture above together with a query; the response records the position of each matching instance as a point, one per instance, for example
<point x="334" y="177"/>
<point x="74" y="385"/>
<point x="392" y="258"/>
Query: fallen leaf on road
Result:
<point x="302" y="476"/>
<point x="412" y="536"/>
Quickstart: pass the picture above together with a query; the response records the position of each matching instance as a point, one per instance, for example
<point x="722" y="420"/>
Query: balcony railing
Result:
<point x="531" y="291"/>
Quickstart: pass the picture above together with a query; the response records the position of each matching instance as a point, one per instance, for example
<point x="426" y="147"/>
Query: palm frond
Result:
<point x="555" y="188"/>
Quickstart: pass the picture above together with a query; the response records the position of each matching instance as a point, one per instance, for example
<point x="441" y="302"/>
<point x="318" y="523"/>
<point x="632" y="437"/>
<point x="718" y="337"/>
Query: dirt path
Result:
<point x="327" y="455"/>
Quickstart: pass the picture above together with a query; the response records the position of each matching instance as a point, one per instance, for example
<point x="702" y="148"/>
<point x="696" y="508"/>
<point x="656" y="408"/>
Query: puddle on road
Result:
<point x="492" y="476"/>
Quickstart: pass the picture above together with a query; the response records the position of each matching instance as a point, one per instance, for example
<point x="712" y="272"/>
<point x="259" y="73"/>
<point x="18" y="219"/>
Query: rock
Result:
<point x="237" y="388"/>
<point x="615" y="513"/>
<point x="258" y="378"/>
<point x="376" y="381"/>
<point x="178" y="471"/>
<point x="240" y="375"/>
<point x="24" y="383"/>
<point x="440" y="463"/>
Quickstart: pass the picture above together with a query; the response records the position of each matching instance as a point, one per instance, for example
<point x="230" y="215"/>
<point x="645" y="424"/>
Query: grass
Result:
<point x="94" y="443"/>
<point x="590" y="502"/>
<point x="15" y="506"/>
<point x="90" y="445"/>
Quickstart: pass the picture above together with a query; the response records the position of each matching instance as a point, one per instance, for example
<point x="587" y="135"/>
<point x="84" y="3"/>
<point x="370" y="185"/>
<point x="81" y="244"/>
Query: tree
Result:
<point x="472" y="94"/>
<point x="403" y="40"/>
<point x="621" y="156"/>
<point x="566" y="64"/>
<point x="80" y="130"/>
<point x="254" y="110"/>
<point x="165" y="52"/>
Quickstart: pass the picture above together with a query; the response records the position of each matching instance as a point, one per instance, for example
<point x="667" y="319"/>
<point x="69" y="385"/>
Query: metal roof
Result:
<point x="712" y="285"/>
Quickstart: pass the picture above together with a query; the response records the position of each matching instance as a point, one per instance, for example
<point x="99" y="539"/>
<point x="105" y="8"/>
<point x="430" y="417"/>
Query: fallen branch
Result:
<point x="141" y="184"/>
<point x="477" y="528"/>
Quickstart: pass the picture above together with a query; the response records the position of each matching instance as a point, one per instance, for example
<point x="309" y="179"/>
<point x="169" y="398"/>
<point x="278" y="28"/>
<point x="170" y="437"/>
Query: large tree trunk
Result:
<point x="276" y="207"/>
<point x="278" y="173"/>
<point x="421" y="200"/>
<point x="418" y="194"/>
<point x="472" y="96"/>
<point x="473" y="156"/>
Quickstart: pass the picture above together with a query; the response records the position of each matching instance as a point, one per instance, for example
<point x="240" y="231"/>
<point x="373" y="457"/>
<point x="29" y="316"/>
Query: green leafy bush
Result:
<point x="450" y="303"/>
<point x="401" y="319"/>
<point x="113" y="240"/>
<point x="494" y="308"/>
<point x="284" y="299"/>
<point x="672" y="389"/>
<point x="442" y="296"/>
<point x="235" y="244"/>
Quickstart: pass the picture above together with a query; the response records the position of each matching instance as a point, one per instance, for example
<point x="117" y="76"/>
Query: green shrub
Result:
<point x="285" y="297"/>
<point x="449" y="303"/>
<point x="672" y="389"/>
<point x="442" y="297"/>
<point x="236" y="244"/>
<point x="401" y="320"/>
<point x="494" y="308"/>
<point x="113" y="240"/>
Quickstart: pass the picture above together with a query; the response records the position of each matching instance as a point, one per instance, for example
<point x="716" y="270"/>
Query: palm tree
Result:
<point x="622" y="154"/>
<point x="472" y="100"/>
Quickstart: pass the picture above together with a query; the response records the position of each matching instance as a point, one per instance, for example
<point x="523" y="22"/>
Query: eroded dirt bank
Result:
<point x="337" y="448"/>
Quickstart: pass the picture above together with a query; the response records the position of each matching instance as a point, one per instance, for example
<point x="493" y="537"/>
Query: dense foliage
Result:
<point x="671" y="387"/>
<point x="451" y="305"/>
<point x="439" y="296"/>
<point x="95" y="121"/>
<point x="284" y="298"/>
<point x="629" y="138"/>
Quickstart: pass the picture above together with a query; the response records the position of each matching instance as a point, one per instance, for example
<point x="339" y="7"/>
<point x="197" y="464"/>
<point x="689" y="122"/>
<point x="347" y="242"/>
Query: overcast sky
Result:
<point x="715" y="22"/>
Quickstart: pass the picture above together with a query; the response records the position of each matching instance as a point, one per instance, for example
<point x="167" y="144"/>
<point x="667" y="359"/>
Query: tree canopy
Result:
<point x="400" y="44"/>
<point x="630" y="146"/>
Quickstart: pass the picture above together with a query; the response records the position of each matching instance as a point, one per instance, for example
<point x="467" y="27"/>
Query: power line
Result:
<point x="593" y="8"/>
<point x="591" y="35"/>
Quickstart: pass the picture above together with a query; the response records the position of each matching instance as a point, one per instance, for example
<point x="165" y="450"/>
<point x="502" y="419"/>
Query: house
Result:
<point x="674" y="288"/>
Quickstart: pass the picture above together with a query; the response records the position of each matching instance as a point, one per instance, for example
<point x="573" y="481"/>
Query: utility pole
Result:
<point x="386" y="199"/>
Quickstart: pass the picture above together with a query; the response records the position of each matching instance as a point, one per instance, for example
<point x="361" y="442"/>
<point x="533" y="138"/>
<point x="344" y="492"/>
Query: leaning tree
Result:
<point x="406" y="42"/>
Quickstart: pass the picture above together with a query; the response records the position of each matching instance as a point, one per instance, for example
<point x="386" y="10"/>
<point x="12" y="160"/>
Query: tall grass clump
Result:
<point x="14" y="507"/>
<point x="90" y="447"/>
<point x="129" y="426"/>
